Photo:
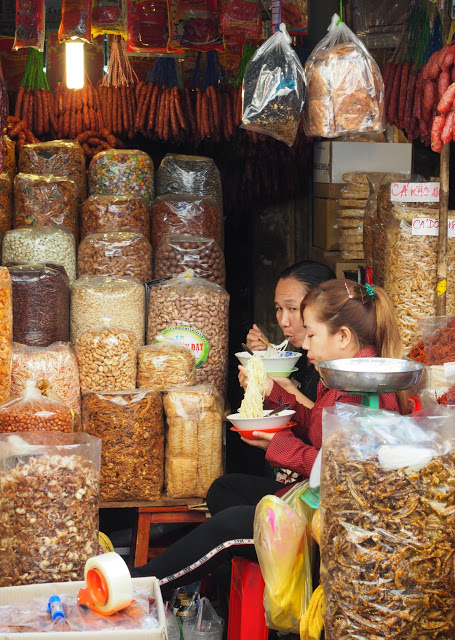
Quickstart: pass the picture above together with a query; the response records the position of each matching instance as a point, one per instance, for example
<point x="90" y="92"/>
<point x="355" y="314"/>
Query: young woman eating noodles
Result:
<point x="341" y="319"/>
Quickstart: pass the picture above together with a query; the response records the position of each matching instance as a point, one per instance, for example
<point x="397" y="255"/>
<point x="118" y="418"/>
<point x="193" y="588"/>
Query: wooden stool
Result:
<point x="161" y="511"/>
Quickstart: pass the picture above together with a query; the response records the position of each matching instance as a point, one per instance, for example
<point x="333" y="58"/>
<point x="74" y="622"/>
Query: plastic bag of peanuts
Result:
<point x="179" y="252"/>
<point x="106" y="357"/>
<point x="164" y="365"/>
<point x="31" y="411"/>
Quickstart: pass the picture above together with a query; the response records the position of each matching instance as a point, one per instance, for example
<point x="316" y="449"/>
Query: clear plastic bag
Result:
<point x="31" y="411"/>
<point x="122" y="171"/>
<point x="120" y="301"/>
<point x="179" y="252"/>
<point x="208" y="623"/>
<point x="6" y="333"/>
<point x="190" y="176"/>
<point x="164" y="365"/>
<point x="115" y="253"/>
<point x="54" y="369"/>
<point x="6" y="203"/>
<point x="106" y="357"/>
<point x="9" y="160"/>
<point x="186" y="214"/>
<point x="438" y="339"/>
<point x="387" y="496"/>
<point x="131" y="427"/>
<point x="115" y="213"/>
<point x="49" y="506"/>
<point x="194" y="437"/>
<point x="195" y="312"/>
<point x="283" y="543"/>
<point x="274" y="89"/>
<point x="41" y="305"/>
<point x="345" y="91"/>
<point x="45" y="201"/>
<point x="56" y="158"/>
<point x="41" y="245"/>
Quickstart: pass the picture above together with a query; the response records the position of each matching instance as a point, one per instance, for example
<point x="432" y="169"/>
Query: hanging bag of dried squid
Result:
<point x="194" y="25"/>
<point x="387" y="543"/>
<point x="345" y="91"/>
<point x="130" y="425"/>
<point x="241" y="17"/>
<point x="147" y="26"/>
<point x="29" y="24"/>
<point x="109" y="16"/>
<point x="274" y="89"/>
<point x="76" y="20"/>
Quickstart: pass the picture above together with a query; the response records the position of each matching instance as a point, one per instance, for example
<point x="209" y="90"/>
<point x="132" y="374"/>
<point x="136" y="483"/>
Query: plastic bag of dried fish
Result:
<point x="274" y="89"/>
<point x="388" y="524"/>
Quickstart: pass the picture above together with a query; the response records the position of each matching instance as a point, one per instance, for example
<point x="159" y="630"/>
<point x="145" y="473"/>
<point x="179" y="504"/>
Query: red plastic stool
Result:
<point x="246" y="608"/>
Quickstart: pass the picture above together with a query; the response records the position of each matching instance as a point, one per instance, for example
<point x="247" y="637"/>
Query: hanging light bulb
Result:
<point x="74" y="64"/>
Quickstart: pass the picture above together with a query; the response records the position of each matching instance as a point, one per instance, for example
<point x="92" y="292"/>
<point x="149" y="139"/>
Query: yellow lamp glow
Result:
<point x="74" y="64"/>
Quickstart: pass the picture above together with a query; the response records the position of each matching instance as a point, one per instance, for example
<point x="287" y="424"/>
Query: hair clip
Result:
<point x="350" y="295"/>
<point x="370" y="290"/>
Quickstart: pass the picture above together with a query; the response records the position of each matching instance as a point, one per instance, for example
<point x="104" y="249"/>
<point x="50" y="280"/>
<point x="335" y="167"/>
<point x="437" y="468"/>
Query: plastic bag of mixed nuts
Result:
<point x="49" y="501"/>
<point x="179" y="252"/>
<point x="195" y="312"/>
<point x="115" y="213"/>
<point x="388" y="518"/>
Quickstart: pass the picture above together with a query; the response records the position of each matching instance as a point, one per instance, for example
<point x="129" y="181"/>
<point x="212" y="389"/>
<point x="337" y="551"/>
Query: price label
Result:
<point x="430" y="227"/>
<point x="414" y="192"/>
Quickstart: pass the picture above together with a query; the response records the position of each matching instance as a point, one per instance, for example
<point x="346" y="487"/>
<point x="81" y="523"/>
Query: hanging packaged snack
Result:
<point x="241" y="17"/>
<point x="189" y="175"/>
<point x="45" y="201"/>
<point x="42" y="245"/>
<point x="115" y="253"/>
<point x="31" y="411"/>
<point x="195" y="312"/>
<point x="345" y="91"/>
<point x="294" y="14"/>
<point x="122" y="171"/>
<point x="6" y="203"/>
<point x="54" y="369"/>
<point x="56" y="158"/>
<point x="115" y="213"/>
<point x="49" y="505"/>
<point x="6" y="333"/>
<point x="387" y="495"/>
<point x="76" y="20"/>
<point x="164" y="365"/>
<point x="41" y="298"/>
<point x="130" y="425"/>
<point x="121" y="300"/>
<point x="147" y="26"/>
<point x="194" y="25"/>
<point x="30" y="21"/>
<point x="194" y="434"/>
<point x="109" y="16"/>
<point x="274" y="89"/>
<point x="107" y="359"/>
<point x="176" y="253"/>
<point x="185" y="214"/>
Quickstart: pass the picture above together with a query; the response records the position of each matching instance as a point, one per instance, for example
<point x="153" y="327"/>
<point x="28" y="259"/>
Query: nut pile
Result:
<point x="116" y="253"/>
<point x="49" y="525"/>
<point x="197" y="305"/>
<point x="115" y="213"/>
<point x="176" y="253"/>
<point x="27" y="419"/>
<point x="165" y="365"/>
<point x="45" y="201"/>
<point x="6" y="333"/>
<point x="120" y="300"/>
<point x="41" y="245"/>
<point x="41" y="298"/>
<point x="107" y="359"/>
<point x="186" y="214"/>
<point x="131" y="427"/>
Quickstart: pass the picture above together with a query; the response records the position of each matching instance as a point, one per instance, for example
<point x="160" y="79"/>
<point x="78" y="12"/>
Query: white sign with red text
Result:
<point x="414" y="192"/>
<point x="430" y="227"/>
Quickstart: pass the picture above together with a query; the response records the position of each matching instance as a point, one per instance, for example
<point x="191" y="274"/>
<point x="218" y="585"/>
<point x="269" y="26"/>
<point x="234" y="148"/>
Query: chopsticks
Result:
<point x="265" y="341"/>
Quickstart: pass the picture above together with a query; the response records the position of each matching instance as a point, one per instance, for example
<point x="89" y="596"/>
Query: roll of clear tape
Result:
<point x="109" y="586"/>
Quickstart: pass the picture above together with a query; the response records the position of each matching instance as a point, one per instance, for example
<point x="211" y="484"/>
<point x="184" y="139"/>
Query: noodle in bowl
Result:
<point x="267" y="422"/>
<point x="282" y="363"/>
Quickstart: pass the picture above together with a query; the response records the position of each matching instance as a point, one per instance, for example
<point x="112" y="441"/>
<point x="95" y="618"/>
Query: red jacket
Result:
<point x="296" y="448"/>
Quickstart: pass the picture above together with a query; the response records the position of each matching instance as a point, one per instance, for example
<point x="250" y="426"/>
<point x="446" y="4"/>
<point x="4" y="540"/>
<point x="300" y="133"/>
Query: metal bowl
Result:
<point x="370" y="375"/>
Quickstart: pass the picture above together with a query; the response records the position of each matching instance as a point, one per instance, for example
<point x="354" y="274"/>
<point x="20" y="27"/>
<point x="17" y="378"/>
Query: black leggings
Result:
<point x="232" y="501"/>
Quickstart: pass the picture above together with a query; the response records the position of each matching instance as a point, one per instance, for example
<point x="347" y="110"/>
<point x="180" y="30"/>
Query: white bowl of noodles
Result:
<point x="268" y="422"/>
<point x="280" y="363"/>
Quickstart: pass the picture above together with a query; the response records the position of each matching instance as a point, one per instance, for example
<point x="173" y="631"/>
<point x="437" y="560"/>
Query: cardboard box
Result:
<point x="333" y="159"/>
<point x="9" y="595"/>
<point x="325" y="212"/>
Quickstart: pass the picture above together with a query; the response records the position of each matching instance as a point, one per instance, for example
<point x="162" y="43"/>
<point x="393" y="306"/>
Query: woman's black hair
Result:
<point x="308" y="272"/>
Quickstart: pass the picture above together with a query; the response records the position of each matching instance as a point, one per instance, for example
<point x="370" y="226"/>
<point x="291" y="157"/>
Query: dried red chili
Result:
<point x="439" y="347"/>
<point x="417" y="353"/>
